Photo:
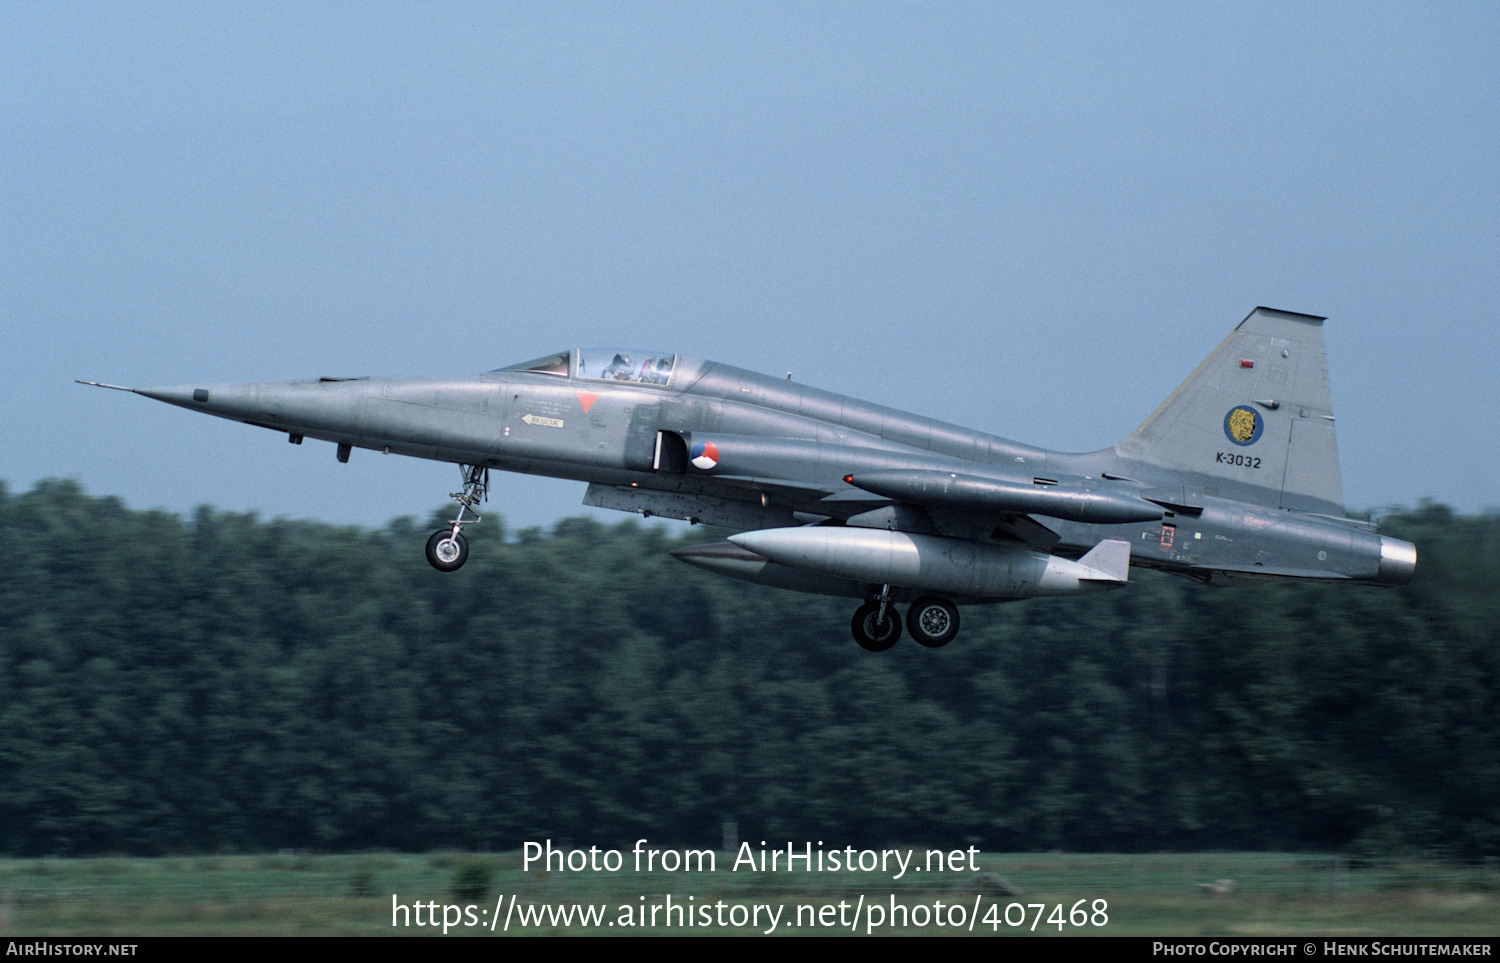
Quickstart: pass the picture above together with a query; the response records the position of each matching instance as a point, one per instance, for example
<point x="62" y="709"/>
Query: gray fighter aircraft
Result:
<point x="1235" y="477"/>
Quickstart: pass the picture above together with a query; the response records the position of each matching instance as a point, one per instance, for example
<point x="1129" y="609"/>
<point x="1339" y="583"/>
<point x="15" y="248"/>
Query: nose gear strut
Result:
<point x="447" y="549"/>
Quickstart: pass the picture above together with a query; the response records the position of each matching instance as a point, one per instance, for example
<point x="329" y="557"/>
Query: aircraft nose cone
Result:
<point x="184" y="395"/>
<point x="244" y="402"/>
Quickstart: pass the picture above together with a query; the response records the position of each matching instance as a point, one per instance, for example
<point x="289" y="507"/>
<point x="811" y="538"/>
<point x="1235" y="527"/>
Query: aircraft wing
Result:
<point x="961" y="504"/>
<point x="1081" y="500"/>
<point x="731" y="504"/>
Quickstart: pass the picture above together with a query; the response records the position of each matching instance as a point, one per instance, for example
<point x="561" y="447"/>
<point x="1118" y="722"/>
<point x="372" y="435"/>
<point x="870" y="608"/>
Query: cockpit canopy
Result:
<point x="641" y="367"/>
<point x="607" y="364"/>
<point x="553" y="364"/>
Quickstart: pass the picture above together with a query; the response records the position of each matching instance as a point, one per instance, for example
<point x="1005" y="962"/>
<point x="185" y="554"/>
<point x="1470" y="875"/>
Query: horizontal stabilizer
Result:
<point x="1110" y="560"/>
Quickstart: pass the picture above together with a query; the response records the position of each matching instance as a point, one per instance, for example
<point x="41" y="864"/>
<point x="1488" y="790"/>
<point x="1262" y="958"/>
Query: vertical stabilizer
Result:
<point x="1256" y="417"/>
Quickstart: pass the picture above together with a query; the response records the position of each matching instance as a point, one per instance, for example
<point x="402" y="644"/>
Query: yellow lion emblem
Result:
<point x="1242" y="425"/>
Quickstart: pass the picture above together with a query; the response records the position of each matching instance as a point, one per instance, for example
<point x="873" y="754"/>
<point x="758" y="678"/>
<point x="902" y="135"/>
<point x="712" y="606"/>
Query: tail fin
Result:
<point x="1255" y="418"/>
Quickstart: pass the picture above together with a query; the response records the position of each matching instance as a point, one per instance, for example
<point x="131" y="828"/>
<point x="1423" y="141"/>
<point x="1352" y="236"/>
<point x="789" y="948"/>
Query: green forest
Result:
<point x="225" y="683"/>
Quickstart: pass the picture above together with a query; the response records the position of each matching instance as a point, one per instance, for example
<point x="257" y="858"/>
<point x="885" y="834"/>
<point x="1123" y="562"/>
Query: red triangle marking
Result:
<point x="587" y="399"/>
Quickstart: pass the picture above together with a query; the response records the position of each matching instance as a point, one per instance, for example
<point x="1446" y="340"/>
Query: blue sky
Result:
<point x="1031" y="219"/>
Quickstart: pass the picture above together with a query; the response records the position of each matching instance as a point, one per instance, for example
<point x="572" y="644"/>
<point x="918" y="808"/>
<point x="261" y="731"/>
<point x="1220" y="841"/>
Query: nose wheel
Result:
<point x="447" y="549"/>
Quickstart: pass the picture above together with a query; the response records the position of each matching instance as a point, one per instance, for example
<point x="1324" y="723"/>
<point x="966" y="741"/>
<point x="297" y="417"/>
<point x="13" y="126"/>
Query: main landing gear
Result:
<point x="447" y="549"/>
<point x="932" y="621"/>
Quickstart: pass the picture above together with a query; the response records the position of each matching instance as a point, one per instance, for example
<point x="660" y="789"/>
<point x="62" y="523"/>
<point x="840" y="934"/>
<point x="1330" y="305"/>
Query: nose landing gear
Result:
<point x="447" y="549"/>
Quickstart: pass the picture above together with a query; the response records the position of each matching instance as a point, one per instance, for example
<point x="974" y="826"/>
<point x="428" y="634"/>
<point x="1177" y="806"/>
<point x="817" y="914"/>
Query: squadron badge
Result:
<point x="1243" y="425"/>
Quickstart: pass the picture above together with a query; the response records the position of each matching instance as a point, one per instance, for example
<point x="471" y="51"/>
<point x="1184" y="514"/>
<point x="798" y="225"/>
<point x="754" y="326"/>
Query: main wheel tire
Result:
<point x="872" y="634"/>
<point x="932" y="621"/>
<point x="447" y="550"/>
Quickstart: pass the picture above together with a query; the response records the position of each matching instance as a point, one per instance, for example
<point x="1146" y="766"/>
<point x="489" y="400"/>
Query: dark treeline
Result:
<point x="224" y="683"/>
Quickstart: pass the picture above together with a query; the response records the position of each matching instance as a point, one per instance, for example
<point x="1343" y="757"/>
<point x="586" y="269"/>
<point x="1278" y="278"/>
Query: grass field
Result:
<point x="1149" y="895"/>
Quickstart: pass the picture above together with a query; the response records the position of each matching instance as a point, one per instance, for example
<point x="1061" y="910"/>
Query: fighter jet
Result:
<point x="1234" y="478"/>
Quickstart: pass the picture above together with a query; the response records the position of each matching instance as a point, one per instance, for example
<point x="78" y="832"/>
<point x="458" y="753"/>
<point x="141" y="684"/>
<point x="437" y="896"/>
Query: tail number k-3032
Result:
<point x="1230" y="458"/>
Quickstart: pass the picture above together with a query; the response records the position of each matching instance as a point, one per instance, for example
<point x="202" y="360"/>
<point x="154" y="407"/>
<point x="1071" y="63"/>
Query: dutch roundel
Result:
<point x="705" y="455"/>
